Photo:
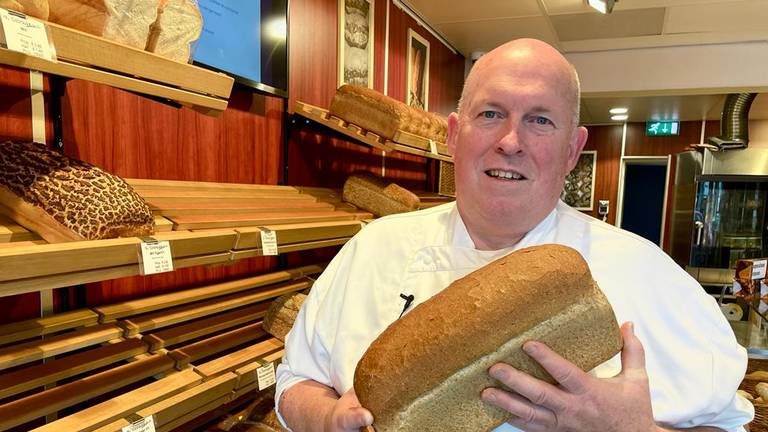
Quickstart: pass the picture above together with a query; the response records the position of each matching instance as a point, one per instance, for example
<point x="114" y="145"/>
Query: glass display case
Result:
<point x="729" y="220"/>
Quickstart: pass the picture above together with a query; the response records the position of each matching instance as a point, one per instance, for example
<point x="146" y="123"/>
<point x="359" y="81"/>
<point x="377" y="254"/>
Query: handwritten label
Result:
<point x="26" y="35"/>
<point x="156" y="257"/>
<point x="268" y="241"/>
<point x="758" y="269"/>
<point x="147" y="424"/>
<point x="266" y="375"/>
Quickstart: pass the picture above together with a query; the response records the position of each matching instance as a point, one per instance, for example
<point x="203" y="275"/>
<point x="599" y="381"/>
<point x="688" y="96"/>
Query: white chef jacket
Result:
<point x="693" y="361"/>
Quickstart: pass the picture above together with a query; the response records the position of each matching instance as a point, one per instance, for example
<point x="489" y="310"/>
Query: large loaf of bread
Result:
<point x="35" y="8"/>
<point x="373" y="194"/>
<point x="282" y="314"/>
<point x="426" y="371"/>
<point x="178" y="24"/>
<point x="64" y="199"/>
<point x="384" y="116"/>
<point x="123" y="21"/>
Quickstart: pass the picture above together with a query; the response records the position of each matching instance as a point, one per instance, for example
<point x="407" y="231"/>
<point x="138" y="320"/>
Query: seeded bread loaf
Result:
<point x="426" y="371"/>
<point x="373" y="194"/>
<point x="64" y="199"/>
<point x="123" y="21"/>
<point x="384" y="116"/>
<point x="282" y="314"/>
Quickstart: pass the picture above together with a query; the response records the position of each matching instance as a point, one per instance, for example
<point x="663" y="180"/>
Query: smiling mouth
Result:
<point x="504" y="174"/>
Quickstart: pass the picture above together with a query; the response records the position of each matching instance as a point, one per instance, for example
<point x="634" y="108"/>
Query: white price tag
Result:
<point x="758" y="269"/>
<point x="433" y="147"/>
<point x="147" y="424"/>
<point x="763" y="289"/>
<point x="156" y="257"/>
<point x="26" y="35"/>
<point x="268" y="241"/>
<point x="736" y="287"/>
<point x="266" y="375"/>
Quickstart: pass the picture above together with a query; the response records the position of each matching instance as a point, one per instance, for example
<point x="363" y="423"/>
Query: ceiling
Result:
<point x="573" y="27"/>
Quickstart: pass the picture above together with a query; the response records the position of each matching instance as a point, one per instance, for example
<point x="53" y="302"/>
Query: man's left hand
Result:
<point x="581" y="402"/>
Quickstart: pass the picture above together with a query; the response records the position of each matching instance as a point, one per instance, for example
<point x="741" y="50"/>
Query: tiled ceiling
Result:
<point x="572" y="26"/>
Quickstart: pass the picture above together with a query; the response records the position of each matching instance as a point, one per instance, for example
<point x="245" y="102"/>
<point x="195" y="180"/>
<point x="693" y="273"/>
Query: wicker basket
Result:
<point x="760" y="423"/>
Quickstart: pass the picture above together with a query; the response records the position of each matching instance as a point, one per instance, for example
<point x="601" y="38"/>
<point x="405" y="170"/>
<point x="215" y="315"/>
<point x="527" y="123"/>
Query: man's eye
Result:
<point x="542" y="120"/>
<point x="489" y="114"/>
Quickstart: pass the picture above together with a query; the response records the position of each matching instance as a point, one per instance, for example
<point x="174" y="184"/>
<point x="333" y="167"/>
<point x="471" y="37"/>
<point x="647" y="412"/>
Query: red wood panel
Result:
<point x="135" y="137"/>
<point x="15" y="104"/>
<point x="607" y="141"/>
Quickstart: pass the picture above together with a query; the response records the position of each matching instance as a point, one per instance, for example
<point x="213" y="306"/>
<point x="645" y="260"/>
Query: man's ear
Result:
<point x="576" y="145"/>
<point x="453" y="132"/>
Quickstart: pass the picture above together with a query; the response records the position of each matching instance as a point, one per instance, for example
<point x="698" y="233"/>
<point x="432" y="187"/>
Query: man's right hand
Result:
<point x="347" y="415"/>
<point x="309" y="406"/>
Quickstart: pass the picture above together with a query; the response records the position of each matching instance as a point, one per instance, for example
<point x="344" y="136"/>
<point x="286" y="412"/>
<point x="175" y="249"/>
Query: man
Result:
<point x="514" y="139"/>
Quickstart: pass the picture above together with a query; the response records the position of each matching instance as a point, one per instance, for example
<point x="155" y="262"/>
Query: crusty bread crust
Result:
<point x="425" y="372"/>
<point x="373" y="194"/>
<point x="64" y="199"/>
<point x="384" y="116"/>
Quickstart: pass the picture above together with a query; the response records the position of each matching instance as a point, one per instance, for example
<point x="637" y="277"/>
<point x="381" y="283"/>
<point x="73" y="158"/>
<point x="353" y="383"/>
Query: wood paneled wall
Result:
<point x="606" y="140"/>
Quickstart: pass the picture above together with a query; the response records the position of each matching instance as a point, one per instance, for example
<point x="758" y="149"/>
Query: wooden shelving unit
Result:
<point x="84" y="56"/>
<point x="403" y="141"/>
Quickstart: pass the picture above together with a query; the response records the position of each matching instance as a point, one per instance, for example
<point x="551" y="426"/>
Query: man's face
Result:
<point x="513" y="144"/>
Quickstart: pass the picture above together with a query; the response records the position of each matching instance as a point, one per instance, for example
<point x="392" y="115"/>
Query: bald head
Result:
<point x="526" y="53"/>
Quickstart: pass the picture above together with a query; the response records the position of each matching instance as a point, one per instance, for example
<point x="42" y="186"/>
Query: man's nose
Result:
<point x="510" y="143"/>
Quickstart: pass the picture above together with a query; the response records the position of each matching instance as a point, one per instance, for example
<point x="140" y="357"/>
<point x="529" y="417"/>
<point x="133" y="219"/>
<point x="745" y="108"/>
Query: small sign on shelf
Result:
<point x="25" y="35"/>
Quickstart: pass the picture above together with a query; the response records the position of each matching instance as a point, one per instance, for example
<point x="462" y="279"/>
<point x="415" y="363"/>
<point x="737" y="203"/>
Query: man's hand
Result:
<point x="309" y="406"/>
<point x="580" y="402"/>
<point x="348" y="415"/>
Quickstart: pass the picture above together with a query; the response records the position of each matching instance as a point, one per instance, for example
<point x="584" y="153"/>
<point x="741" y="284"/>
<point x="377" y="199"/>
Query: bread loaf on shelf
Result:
<point x="385" y="116"/>
<point x="122" y="21"/>
<point x="34" y="8"/>
<point x="178" y="24"/>
<point x="64" y="199"/>
<point x="426" y="371"/>
<point x="373" y="194"/>
<point x="282" y="314"/>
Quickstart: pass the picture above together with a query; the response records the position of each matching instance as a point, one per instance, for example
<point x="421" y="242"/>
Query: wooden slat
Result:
<point x="238" y="359"/>
<point x="187" y="401"/>
<point x="37" y="350"/>
<point x="220" y="343"/>
<point x="53" y="259"/>
<point x="194" y="414"/>
<point x="68" y="279"/>
<point x="47" y="373"/>
<point x="199" y="328"/>
<point x="256" y="219"/>
<point x="248" y="373"/>
<point x="152" y="184"/>
<point x="151" y="194"/>
<point x="250" y="253"/>
<point x="168" y="209"/>
<point x="10" y="231"/>
<point x="162" y="224"/>
<point x="80" y="47"/>
<point x="110" y="313"/>
<point x="419" y="142"/>
<point x="206" y="104"/>
<point x="297" y="233"/>
<point x="165" y="318"/>
<point x="54" y="399"/>
<point x="21" y="330"/>
<point x="106" y="412"/>
<point x="426" y="154"/>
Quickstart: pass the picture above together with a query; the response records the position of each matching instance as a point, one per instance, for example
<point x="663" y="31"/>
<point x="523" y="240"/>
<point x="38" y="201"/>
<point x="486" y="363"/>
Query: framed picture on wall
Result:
<point x="417" y="75"/>
<point x="579" y="189"/>
<point x="356" y="42"/>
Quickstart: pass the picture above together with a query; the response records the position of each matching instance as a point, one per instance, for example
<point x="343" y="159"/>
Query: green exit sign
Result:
<point x="662" y="128"/>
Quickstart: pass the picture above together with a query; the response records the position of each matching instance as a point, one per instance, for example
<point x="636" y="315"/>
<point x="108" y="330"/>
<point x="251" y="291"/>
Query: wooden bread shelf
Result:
<point x="210" y="347"/>
<point x="403" y="141"/>
<point x="84" y="56"/>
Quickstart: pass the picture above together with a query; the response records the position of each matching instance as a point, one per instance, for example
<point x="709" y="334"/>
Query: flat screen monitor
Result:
<point x="246" y="39"/>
